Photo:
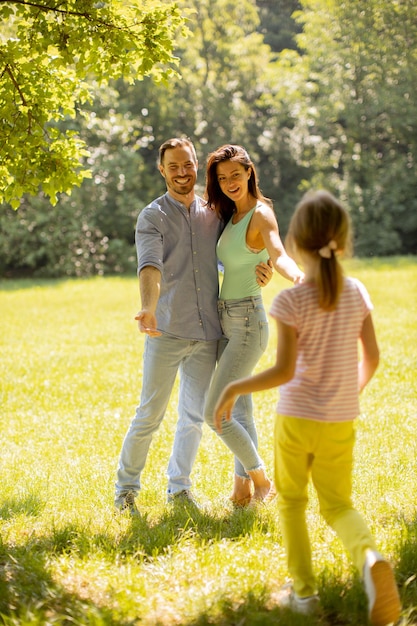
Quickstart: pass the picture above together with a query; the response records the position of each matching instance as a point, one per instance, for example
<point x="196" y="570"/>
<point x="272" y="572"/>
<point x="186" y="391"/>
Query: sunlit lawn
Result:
<point x="70" y="372"/>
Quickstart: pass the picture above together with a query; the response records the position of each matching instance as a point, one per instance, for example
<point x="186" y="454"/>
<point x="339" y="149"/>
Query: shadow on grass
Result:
<point x="406" y="571"/>
<point x="152" y="537"/>
<point x="29" y="594"/>
<point x="254" y="611"/>
<point x="30" y="506"/>
<point x="18" y="284"/>
<point x="25" y="281"/>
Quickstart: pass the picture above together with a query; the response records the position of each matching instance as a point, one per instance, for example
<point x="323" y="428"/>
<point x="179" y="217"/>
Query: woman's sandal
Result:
<point x="271" y="495"/>
<point x="240" y="503"/>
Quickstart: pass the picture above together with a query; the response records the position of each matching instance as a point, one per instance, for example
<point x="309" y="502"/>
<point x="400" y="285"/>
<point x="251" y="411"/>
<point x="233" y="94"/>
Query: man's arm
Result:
<point x="264" y="273"/>
<point x="150" y="288"/>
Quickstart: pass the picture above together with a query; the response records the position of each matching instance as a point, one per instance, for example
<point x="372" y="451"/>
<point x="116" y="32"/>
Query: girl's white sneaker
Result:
<point x="287" y="598"/>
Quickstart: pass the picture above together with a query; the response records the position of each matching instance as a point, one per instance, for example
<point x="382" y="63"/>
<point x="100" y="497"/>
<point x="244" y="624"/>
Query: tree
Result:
<point x="354" y="125"/>
<point x="338" y="111"/>
<point x="227" y="72"/>
<point x="49" y="54"/>
<point x="277" y="24"/>
<point x="221" y="96"/>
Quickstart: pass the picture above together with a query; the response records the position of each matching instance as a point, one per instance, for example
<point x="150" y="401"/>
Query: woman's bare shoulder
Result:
<point x="263" y="214"/>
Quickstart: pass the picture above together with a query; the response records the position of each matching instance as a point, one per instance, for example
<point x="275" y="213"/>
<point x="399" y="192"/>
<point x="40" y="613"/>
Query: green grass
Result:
<point x="70" y="371"/>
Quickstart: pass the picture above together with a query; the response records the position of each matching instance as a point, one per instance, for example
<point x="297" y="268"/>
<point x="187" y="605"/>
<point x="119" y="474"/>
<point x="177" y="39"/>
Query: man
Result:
<point x="176" y="239"/>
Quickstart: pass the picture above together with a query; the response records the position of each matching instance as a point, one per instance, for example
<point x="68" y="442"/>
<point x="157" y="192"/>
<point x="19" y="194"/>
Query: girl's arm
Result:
<point x="370" y="352"/>
<point x="278" y="374"/>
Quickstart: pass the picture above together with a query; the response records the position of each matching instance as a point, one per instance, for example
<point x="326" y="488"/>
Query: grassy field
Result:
<point x="70" y="373"/>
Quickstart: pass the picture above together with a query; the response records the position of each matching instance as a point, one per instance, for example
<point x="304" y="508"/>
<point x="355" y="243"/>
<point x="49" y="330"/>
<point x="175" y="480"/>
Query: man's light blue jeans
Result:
<point x="245" y="329"/>
<point x="163" y="357"/>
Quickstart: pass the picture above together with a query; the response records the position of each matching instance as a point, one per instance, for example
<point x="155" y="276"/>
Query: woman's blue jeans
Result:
<point x="163" y="357"/>
<point x="245" y="329"/>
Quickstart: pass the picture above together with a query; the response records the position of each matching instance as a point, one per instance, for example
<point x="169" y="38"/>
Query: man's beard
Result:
<point x="182" y="190"/>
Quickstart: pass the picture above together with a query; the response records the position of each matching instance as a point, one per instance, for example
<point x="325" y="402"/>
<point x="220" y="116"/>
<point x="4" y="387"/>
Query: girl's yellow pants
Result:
<point x="324" y="451"/>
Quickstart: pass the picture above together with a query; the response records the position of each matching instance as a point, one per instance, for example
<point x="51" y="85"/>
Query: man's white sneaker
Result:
<point x="183" y="497"/>
<point x="287" y="598"/>
<point x="381" y="589"/>
<point x="125" y="503"/>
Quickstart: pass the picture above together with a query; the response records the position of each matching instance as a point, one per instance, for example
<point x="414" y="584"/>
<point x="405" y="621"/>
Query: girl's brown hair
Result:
<point x="321" y="226"/>
<point x="216" y="199"/>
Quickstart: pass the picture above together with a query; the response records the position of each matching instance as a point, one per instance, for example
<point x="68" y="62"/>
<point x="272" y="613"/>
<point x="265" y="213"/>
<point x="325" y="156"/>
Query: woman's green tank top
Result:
<point x="239" y="261"/>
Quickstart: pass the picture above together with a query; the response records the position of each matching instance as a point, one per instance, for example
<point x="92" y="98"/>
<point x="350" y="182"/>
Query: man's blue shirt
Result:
<point x="182" y="245"/>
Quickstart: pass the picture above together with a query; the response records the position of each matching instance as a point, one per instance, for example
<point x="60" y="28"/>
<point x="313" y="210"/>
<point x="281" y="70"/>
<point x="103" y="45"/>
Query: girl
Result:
<point x="319" y="324"/>
<point x="250" y="236"/>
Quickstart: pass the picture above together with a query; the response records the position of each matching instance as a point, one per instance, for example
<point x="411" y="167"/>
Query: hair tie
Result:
<point x="326" y="251"/>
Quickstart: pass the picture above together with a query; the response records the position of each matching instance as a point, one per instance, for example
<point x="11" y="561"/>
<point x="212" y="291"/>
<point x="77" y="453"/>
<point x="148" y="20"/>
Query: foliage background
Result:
<point x="320" y="92"/>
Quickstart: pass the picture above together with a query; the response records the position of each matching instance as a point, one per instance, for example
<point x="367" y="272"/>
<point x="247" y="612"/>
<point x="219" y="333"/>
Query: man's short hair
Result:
<point x="176" y="142"/>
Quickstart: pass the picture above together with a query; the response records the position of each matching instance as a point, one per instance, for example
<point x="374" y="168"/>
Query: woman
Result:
<point x="250" y="236"/>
